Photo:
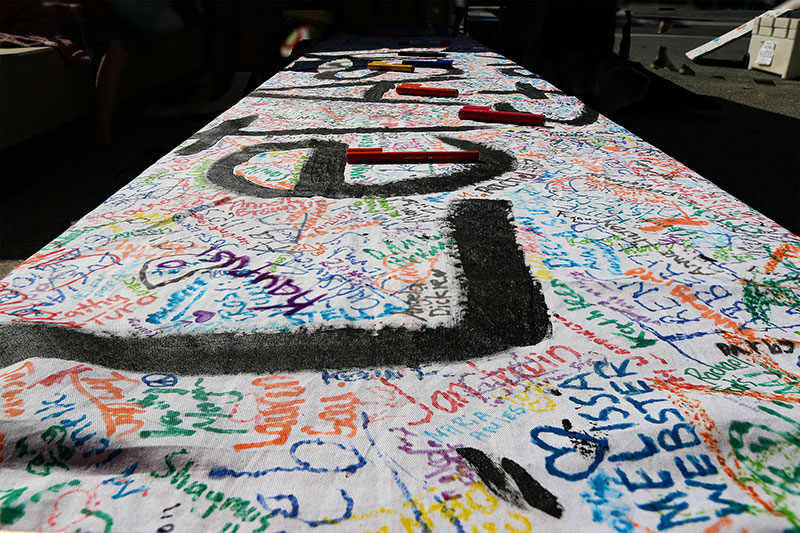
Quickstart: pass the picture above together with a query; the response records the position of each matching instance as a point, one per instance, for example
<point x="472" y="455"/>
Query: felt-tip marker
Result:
<point x="383" y="65"/>
<point x="486" y="114"/>
<point x="422" y="63"/>
<point x="418" y="90"/>
<point x="376" y="156"/>
<point x="421" y="53"/>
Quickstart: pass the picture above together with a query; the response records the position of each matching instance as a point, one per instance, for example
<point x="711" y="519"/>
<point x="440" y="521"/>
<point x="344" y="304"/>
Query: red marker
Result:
<point x="376" y="156"/>
<point x="419" y="90"/>
<point x="486" y="114"/>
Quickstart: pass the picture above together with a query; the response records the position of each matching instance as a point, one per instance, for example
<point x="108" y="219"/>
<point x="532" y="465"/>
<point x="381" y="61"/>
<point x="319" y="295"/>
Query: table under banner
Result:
<point x="574" y="332"/>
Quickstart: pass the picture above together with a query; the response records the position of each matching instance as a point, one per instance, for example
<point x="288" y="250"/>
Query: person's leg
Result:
<point x="461" y="16"/>
<point x="109" y="75"/>
<point x="662" y="61"/>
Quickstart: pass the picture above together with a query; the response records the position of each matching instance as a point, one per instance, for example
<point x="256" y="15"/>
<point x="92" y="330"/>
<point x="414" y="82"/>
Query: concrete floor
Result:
<point x="717" y="74"/>
<point x="7" y="265"/>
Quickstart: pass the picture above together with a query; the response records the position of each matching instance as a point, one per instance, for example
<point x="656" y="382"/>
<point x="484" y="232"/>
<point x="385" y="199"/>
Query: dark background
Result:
<point x="735" y="127"/>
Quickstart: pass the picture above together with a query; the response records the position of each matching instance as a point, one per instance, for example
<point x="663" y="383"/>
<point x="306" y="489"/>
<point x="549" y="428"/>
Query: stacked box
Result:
<point x="774" y="46"/>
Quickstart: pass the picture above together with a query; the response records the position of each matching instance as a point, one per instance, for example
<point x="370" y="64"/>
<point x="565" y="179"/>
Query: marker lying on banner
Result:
<point x="465" y="49"/>
<point x="419" y="90"/>
<point x="423" y="42"/>
<point x="486" y="114"/>
<point x="383" y="65"/>
<point x="421" y="63"/>
<point x="421" y="53"/>
<point x="376" y="156"/>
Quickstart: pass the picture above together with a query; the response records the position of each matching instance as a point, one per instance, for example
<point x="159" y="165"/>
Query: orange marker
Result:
<point x="419" y="90"/>
<point x="383" y="65"/>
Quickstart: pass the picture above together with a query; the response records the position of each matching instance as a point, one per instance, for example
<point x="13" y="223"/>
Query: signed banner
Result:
<point x="574" y="333"/>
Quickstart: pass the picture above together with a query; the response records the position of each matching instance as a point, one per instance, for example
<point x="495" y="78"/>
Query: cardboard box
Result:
<point x="774" y="46"/>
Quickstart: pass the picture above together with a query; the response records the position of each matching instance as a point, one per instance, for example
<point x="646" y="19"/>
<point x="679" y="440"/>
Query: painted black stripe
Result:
<point x="504" y="307"/>
<point x="207" y="138"/>
<point x="363" y="99"/>
<point x="323" y="173"/>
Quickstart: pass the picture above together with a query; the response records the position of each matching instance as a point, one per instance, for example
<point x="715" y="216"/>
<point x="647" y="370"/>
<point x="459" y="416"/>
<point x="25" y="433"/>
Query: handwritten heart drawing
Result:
<point x="582" y="453"/>
<point x="203" y="316"/>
